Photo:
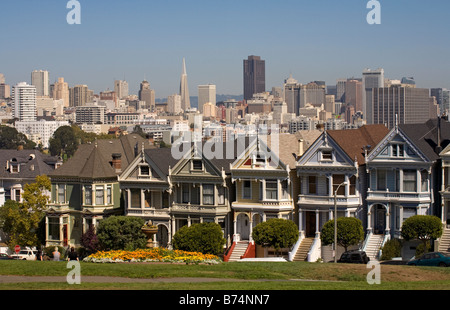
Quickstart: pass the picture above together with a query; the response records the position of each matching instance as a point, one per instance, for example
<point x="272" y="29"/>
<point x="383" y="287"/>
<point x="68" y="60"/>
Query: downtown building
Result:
<point x="24" y="102"/>
<point x="254" y="76"/>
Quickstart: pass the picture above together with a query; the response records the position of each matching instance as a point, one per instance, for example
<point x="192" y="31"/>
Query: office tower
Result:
<point x="148" y="95"/>
<point x="174" y="104"/>
<point x="329" y="104"/>
<point x="80" y="95"/>
<point x="340" y="90"/>
<point x="405" y="105"/>
<point x="90" y="114"/>
<point x="209" y="110"/>
<point x="254" y="76"/>
<point x="370" y="79"/>
<point x="121" y="89"/>
<point x="40" y="79"/>
<point x="61" y="91"/>
<point x="291" y="95"/>
<point x="24" y="102"/>
<point x="184" y="90"/>
<point x="353" y="93"/>
<point x="2" y="78"/>
<point x="442" y="98"/>
<point x="313" y="94"/>
<point x="206" y="93"/>
<point x="5" y="91"/>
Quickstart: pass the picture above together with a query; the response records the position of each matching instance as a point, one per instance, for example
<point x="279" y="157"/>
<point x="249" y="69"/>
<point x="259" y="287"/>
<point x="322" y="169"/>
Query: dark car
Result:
<point x="431" y="259"/>
<point x="5" y="256"/>
<point x="354" y="257"/>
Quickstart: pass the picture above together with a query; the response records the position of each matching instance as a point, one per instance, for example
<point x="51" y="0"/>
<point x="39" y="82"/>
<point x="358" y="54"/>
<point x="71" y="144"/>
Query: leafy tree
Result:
<point x="423" y="228"/>
<point x="10" y="138"/>
<point x="276" y="233"/>
<point x="63" y="142"/>
<point x="90" y="241"/>
<point x="349" y="232"/>
<point x="21" y="221"/>
<point x="121" y="233"/>
<point x="206" y="238"/>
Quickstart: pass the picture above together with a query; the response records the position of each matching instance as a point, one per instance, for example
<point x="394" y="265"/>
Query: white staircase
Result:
<point x="238" y="251"/>
<point x="444" y="242"/>
<point x="373" y="246"/>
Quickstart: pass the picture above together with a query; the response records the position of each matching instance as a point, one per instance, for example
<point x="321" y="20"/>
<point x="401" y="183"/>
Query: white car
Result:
<point x="25" y="255"/>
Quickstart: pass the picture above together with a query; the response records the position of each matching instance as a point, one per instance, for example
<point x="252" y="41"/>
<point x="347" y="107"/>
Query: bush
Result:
<point x="422" y="248"/>
<point x="89" y="241"/>
<point x="206" y="238"/>
<point x="121" y="233"/>
<point x="392" y="248"/>
<point x="349" y="232"/>
<point x="276" y="233"/>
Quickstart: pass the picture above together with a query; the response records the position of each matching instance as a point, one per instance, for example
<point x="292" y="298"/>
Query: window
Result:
<point x="14" y="168"/>
<point x="284" y="189"/>
<point x="185" y="193"/>
<point x="381" y="180"/>
<point x="99" y="195"/>
<point x="135" y="198"/>
<point x="53" y="228"/>
<point x="327" y="155"/>
<point x="312" y="184"/>
<point x="144" y="170"/>
<point x="17" y="194"/>
<point x="352" y="185"/>
<point x="195" y="195"/>
<point x="398" y="150"/>
<point x="88" y="195"/>
<point x="221" y="193"/>
<point x="424" y="180"/>
<point x="109" y="194"/>
<point x="197" y="165"/>
<point x="272" y="189"/>
<point x="208" y="194"/>
<point x="337" y="180"/>
<point x="409" y="180"/>
<point x="247" y="190"/>
<point x="61" y="193"/>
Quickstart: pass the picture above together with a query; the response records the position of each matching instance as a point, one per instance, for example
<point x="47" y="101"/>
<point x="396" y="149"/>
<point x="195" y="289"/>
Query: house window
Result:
<point x="272" y="189"/>
<point x="185" y="193"/>
<point x="352" y="185"/>
<point x="221" y="195"/>
<point x="197" y="165"/>
<point x="381" y="180"/>
<point x="99" y="195"/>
<point x="327" y="155"/>
<point x="109" y="194"/>
<point x="53" y="228"/>
<point x="144" y="171"/>
<point x="14" y="168"/>
<point x="247" y="190"/>
<point x="312" y="188"/>
<point x="398" y="150"/>
<point x="17" y="195"/>
<point x="195" y="195"/>
<point x="88" y="195"/>
<point x="135" y="198"/>
<point x="61" y="193"/>
<point x="337" y="180"/>
<point x="409" y="180"/>
<point x="208" y="194"/>
<point x="424" y="180"/>
<point x="284" y="189"/>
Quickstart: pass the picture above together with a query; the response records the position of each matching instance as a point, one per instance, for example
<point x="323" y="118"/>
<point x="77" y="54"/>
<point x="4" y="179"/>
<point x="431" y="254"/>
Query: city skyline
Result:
<point x="311" y="41"/>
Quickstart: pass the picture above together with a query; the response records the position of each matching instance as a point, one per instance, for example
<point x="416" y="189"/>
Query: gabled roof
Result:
<point x="32" y="163"/>
<point x="425" y="136"/>
<point x="353" y="141"/>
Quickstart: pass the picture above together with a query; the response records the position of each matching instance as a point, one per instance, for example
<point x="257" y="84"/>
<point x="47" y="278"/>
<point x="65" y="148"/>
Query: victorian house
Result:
<point x="332" y="173"/>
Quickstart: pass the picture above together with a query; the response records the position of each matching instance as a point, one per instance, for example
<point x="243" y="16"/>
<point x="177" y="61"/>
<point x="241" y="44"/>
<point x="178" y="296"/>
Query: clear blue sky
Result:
<point x="312" y="40"/>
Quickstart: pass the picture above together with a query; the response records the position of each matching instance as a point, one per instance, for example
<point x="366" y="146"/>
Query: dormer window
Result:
<point x="197" y="165"/>
<point x="14" y="168"/>
<point x="398" y="150"/>
<point x="326" y="154"/>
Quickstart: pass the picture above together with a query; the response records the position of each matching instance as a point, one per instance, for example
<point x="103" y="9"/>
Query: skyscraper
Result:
<point x="254" y="76"/>
<point x="206" y="93"/>
<point x="147" y="94"/>
<point x="61" y="91"/>
<point x="370" y="79"/>
<point x="40" y="79"/>
<point x="24" y="102"/>
<point x="121" y="89"/>
<point x="184" y="89"/>
<point x="79" y="95"/>
<point x="353" y="93"/>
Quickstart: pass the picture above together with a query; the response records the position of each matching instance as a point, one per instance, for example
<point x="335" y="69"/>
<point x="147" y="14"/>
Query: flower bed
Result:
<point x="152" y="255"/>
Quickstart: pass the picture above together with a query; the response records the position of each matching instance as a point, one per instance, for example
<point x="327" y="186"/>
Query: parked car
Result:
<point x="431" y="259"/>
<point x="5" y="256"/>
<point x="25" y="255"/>
<point x="354" y="257"/>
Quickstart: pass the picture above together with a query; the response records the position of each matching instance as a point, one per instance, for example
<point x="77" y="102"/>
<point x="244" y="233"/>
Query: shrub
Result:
<point x="121" y="233"/>
<point x="276" y="233"/>
<point x="89" y="241"/>
<point x="392" y="248"/>
<point x="206" y="238"/>
<point x="423" y="228"/>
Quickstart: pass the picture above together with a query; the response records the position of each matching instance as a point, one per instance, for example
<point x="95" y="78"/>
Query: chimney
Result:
<point x="117" y="162"/>
<point x="300" y="147"/>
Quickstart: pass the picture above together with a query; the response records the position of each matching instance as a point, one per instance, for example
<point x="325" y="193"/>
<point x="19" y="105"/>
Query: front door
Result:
<point x="380" y="219"/>
<point x="243" y="226"/>
<point x="310" y="223"/>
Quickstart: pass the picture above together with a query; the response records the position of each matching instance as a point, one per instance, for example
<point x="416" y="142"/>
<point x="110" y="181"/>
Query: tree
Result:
<point x="89" y="240"/>
<point x="121" y="233"/>
<point x="10" y="138"/>
<point x="276" y="233"/>
<point x="63" y="142"/>
<point x="21" y="221"/>
<point x="349" y="232"/>
<point x="206" y="238"/>
<point x="423" y="228"/>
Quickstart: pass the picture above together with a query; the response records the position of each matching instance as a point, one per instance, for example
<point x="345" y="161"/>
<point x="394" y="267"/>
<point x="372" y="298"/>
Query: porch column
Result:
<point x="235" y="227"/>
<point x="128" y="198"/>
<point x="388" y="222"/>
<point x="142" y="199"/>
<point x="317" y="223"/>
<point x="251" y="227"/>
<point x="369" y="219"/>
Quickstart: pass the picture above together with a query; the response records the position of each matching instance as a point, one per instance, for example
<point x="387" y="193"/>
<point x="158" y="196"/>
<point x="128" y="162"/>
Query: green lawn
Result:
<point x="259" y="276"/>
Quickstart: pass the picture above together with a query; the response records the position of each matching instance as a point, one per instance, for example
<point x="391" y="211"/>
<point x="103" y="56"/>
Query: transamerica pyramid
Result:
<point x="184" y="89"/>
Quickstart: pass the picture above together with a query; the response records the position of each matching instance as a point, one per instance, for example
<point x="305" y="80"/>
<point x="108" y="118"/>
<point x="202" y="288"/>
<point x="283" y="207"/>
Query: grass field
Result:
<point x="230" y="276"/>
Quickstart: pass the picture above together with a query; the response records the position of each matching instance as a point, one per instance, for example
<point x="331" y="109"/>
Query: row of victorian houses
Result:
<point x="381" y="176"/>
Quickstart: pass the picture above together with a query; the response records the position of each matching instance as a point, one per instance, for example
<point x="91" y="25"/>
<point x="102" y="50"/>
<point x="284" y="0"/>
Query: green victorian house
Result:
<point x="85" y="189"/>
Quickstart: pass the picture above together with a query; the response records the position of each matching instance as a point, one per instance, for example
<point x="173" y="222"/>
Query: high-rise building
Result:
<point x="254" y="76"/>
<point x="206" y="93"/>
<point x="121" y="89"/>
<point x="184" y="89"/>
<point x="291" y="95"/>
<point x="405" y="105"/>
<point x="80" y="95"/>
<point x="5" y="91"/>
<point x="442" y="96"/>
<point x="340" y="90"/>
<point x="174" y="104"/>
<point x="61" y="91"/>
<point x="353" y="93"/>
<point x="24" y="102"/>
<point x="148" y="95"/>
<point x="313" y="94"/>
<point x="370" y="79"/>
<point x="40" y="79"/>
<point x="2" y="78"/>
